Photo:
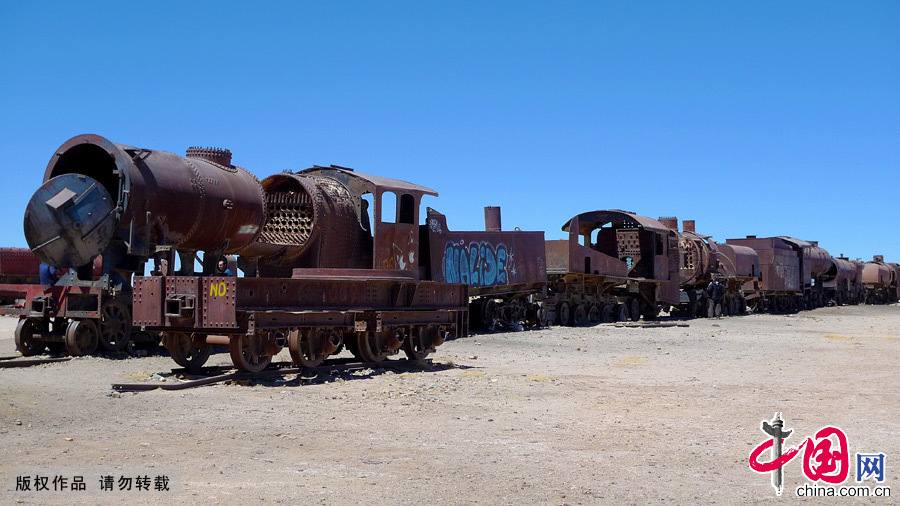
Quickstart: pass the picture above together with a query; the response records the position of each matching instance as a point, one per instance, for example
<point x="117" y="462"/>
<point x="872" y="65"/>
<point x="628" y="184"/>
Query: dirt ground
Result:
<point x="557" y="416"/>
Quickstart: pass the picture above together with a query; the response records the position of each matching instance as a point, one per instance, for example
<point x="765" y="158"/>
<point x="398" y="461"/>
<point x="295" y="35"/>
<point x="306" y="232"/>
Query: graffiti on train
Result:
<point x="476" y="264"/>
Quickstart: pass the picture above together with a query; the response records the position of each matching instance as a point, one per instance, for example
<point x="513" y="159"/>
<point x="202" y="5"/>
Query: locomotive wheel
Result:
<point x="726" y="306"/>
<point x="534" y="316"/>
<point x="248" y="353"/>
<point x="350" y="341"/>
<point x="188" y="351"/>
<point x="595" y="314"/>
<point x="692" y="308"/>
<point x="650" y="311"/>
<point x="489" y="314"/>
<point x="25" y="342"/>
<point x="82" y="337"/>
<point x="56" y="348"/>
<point x="419" y="345"/>
<point x="634" y="309"/>
<point x="310" y="348"/>
<point x="621" y="312"/>
<point x="115" y="325"/>
<point x="607" y="314"/>
<point x="370" y="346"/>
<point x="580" y="317"/>
<point x="564" y="313"/>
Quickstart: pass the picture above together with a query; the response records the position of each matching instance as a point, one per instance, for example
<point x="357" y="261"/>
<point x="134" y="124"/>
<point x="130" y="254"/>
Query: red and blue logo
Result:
<point x="826" y="457"/>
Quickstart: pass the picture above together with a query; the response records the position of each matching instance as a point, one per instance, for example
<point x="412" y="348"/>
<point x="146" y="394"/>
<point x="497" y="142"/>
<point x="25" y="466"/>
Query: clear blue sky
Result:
<point x="750" y="117"/>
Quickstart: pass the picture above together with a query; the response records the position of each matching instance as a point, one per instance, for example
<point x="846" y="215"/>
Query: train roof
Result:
<point x="798" y="242"/>
<point x="367" y="182"/>
<point x="592" y="219"/>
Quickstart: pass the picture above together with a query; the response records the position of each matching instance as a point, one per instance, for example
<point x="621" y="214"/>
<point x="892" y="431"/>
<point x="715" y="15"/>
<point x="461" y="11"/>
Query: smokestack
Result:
<point x="689" y="226"/>
<point x="751" y="237"/>
<point x="878" y="258"/>
<point x="492" y="219"/>
<point x="670" y="222"/>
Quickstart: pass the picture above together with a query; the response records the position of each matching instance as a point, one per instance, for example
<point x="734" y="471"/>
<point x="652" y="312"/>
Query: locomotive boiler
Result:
<point x="881" y="281"/>
<point x="843" y="282"/>
<point x="103" y="210"/>
<point x="99" y="195"/>
<point x="712" y="276"/>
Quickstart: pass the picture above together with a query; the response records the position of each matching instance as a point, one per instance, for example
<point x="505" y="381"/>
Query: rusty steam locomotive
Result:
<point x="327" y="264"/>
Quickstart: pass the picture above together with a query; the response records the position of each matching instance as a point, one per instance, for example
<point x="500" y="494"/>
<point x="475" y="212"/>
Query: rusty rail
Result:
<point x="11" y="363"/>
<point x="278" y="369"/>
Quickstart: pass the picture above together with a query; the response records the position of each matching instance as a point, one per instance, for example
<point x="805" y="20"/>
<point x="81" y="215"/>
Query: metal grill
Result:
<point x="290" y="219"/>
<point x="628" y="243"/>
<point x="689" y="255"/>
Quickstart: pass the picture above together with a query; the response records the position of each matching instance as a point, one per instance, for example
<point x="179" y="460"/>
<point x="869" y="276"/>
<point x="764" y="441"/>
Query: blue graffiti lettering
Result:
<point x="502" y="277"/>
<point x="479" y="264"/>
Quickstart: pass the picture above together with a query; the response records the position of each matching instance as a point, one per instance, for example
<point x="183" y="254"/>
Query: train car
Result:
<point x="793" y="273"/>
<point x="842" y="282"/>
<point x="505" y="271"/>
<point x="780" y="286"/>
<point x="19" y="270"/>
<point x="814" y="264"/>
<point x="880" y="281"/>
<point x="895" y="285"/>
<point x="615" y="265"/>
<point x="712" y="276"/>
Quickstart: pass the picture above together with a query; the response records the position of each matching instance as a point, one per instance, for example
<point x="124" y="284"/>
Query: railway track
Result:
<point x="14" y="361"/>
<point x="218" y="374"/>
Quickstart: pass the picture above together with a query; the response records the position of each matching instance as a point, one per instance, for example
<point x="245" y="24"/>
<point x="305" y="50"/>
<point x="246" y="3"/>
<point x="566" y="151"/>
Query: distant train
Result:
<point x="618" y="265"/>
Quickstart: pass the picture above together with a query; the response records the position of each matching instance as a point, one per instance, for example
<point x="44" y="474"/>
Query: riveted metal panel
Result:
<point x="219" y="302"/>
<point x="148" y="301"/>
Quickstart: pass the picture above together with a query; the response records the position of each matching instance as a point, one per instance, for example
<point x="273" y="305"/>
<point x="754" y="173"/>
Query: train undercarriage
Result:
<point x="587" y="299"/>
<point x="316" y="315"/>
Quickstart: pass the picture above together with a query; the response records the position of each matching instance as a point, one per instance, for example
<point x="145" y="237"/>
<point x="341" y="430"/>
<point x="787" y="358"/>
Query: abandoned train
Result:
<point x="327" y="266"/>
<point x="333" y="259"/>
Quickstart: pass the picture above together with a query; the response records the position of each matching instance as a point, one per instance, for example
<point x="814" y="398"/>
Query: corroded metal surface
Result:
<point x="779" y="263"/>
<point x="18" y="265"/>
<point x="312" y="221"/>
<point x="487" y="261"/>
<point x="159" y="198"/>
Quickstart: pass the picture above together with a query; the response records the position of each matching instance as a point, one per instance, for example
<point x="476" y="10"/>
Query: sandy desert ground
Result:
<point x="557" y="416"/>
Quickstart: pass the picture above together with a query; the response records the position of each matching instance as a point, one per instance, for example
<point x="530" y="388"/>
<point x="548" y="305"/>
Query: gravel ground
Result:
<point x="559" y="416"/>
